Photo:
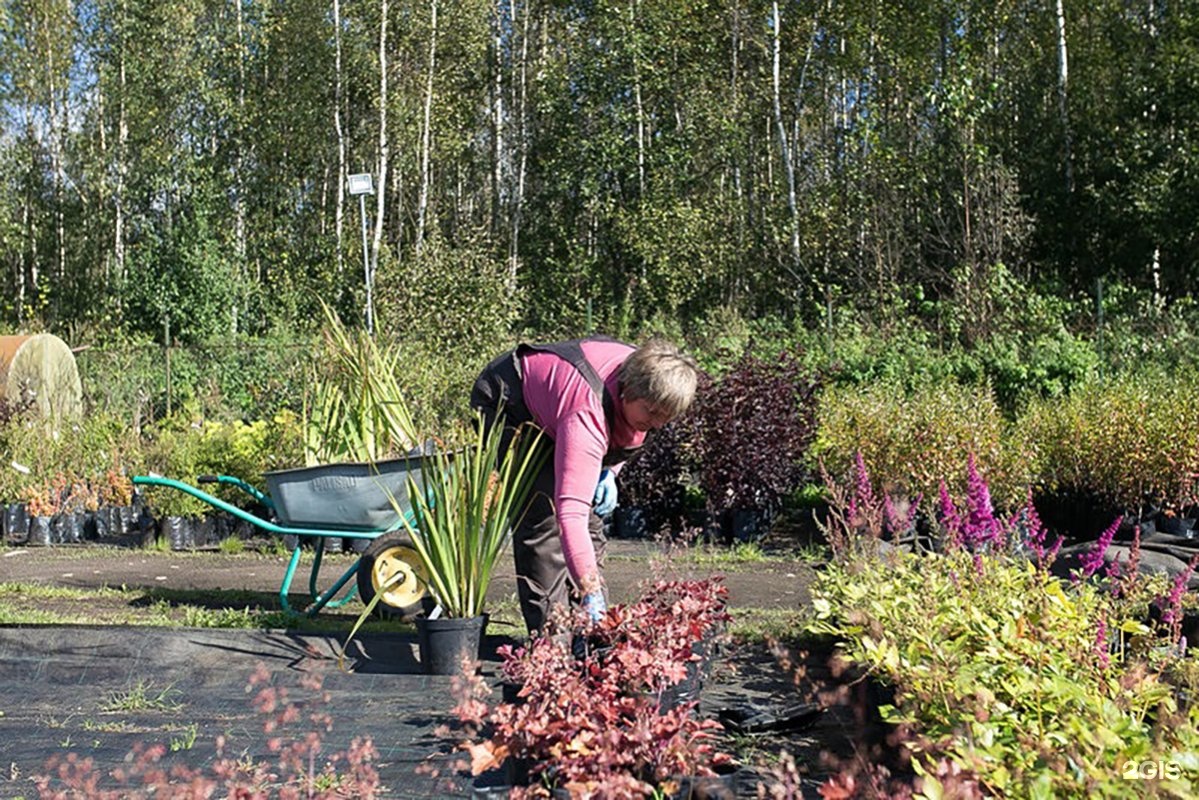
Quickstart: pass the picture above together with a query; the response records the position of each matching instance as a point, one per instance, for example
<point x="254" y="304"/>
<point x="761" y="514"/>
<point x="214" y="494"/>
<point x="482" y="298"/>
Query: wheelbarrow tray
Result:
<point x="348" y="496"/>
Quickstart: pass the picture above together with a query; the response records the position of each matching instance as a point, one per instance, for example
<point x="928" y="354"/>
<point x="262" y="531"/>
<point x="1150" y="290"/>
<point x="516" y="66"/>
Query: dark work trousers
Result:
<point x="542" y="580"/>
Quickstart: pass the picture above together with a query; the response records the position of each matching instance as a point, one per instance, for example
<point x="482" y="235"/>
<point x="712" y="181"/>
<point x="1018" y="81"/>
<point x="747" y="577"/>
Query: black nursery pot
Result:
<point x="179" y="531"/>
<point x="39" y="530"/>
<point x="16" y="523"/>
<point x="447" y="644"/>
<point x="630" y="523"/>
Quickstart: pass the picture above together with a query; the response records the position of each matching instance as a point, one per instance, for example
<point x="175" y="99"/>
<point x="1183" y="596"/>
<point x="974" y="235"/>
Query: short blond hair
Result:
<point x="662" y="375"/>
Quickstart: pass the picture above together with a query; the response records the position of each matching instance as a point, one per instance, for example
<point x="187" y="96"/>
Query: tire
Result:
<point x="387" y="557"/>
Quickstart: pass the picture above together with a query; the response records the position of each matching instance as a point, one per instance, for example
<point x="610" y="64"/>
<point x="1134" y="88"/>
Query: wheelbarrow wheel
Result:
<point x="390" y="567"/>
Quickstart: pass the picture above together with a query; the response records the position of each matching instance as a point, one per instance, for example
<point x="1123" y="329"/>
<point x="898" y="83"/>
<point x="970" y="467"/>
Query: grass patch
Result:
<point x="186" y="739"/>
<point x="142" y="696"/>
<point x="761" y="625"/>
<point x="232" y="546"/>
<point x="39" y="604"/>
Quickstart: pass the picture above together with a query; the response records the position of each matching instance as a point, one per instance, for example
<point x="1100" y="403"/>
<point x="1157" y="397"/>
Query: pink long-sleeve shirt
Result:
<point x="563" y="404"/>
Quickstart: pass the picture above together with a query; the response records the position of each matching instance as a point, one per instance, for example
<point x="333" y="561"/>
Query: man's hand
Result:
<point x="595" y="605"/>
<point x="605" y="494"/>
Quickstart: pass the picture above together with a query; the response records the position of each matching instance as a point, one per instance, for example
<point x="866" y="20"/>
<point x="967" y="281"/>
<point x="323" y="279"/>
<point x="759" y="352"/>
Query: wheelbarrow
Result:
<point x="350" y="500"/>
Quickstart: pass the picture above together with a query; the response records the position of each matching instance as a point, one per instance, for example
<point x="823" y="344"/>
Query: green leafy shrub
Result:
<point x="88" y="458"/>
<point x="448" y="309"/>
<point x="1129" y="439"/>
<point x="230" y="378"/>
<point x="1036" y="691"/>
<point x="183" y="450"/>
<point x="909" y="442"/>
<point x="1024" y="368"/>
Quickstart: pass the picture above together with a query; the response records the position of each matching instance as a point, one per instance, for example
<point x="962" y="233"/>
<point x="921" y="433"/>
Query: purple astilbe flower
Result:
<point x="1101" y="648"/>
<point x="1093" y="559"/>
<point x="1113" y="573"/>
<point x="1051" y="556"/>
<point x="950" y="521"/>
<point x="863" y="493"/>
<point x="1129" y="576"/>
<point x="980" y="528"/>
<point x="1172" y="603"/>
<point x="1031" y="529"/>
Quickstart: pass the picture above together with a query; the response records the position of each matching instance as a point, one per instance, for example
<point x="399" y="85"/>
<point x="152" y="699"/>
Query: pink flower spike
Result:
<point x="1101" y="643"/>
<point x="950" y="520"/>
<point x="1093" y="560"/>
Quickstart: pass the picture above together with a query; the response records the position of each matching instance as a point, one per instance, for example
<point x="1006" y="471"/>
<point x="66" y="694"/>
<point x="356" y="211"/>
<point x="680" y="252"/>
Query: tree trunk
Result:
<point x="635" y="40"/>
<point x="121" y="156"/>
<point x="427" y="132"/>
<point x="384" y="157"/>
<point x="785" y="151"/>
<point x="497" y="116"/>
<point x="1062" y="106"/>
<point x="520" y="108"/>
<point x="339" y="214"/>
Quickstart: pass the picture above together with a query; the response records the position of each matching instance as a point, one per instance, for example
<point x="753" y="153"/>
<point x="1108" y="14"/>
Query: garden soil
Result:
<point x="101" y="692"/>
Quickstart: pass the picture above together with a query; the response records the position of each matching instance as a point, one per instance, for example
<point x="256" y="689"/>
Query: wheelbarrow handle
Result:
<point x="238" y="483"/>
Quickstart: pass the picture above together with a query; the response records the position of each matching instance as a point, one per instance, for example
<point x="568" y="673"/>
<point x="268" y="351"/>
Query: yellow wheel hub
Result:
<point x="397" y="575"/>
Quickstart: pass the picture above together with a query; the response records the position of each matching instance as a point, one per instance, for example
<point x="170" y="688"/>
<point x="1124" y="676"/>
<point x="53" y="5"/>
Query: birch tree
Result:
<point x="426" y="139"/>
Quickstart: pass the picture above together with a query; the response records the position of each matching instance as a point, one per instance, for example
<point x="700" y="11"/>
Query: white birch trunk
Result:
<point x="427" y="132"/>
<point x="784" y="146"/>
<point x="521" y="110"/>
<point x="121" y="155"/>
<point x="497" y="118"/>
<point x="384" y="158"/>
<point x="339" y="213"/>
<point x="1063" y="74"/>
<point x="633" y="8"/>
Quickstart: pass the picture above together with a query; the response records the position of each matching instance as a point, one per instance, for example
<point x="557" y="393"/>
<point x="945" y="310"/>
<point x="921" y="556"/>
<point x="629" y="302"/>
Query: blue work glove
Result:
<point x="595" y="605"/>
<point x="605" y="494"/>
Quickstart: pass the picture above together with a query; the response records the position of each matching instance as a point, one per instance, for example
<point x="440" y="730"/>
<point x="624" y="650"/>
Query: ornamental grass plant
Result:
<point x="356" y="410"/>
<point x="465" y="503"/>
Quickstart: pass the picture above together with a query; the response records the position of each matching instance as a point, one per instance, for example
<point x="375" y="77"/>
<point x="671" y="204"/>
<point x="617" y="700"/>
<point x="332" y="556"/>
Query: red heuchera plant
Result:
<point x="595" y="724"/>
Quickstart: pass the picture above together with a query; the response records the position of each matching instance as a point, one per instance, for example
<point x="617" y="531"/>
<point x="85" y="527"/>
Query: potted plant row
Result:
<point x="611" y="715"/>
<point x="67" y="510"/>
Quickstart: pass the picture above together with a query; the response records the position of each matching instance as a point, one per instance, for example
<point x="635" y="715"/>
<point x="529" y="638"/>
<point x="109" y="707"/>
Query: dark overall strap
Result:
<point x="572" y="352"/>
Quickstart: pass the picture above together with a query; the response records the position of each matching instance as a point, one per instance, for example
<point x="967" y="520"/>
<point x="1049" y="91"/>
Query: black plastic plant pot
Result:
<point x="206" y="533"/>
<point x="510" y="693"/>
<point x="631" y="523"/>
<point x="1176" y="525"/>
<point x="685" y="691"/>
<point x="39" y="531"/>
<point x="178" y="531"/>
<point x="16" y="523"/>
<point x="71" y="527"/>
<point x="449" y="644"/>
<point x="748" y="525"/>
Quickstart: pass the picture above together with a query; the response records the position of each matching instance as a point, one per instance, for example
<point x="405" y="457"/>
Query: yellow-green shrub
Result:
<point x="1003" y="669"/>
<point x="184" y="450"/>
<point x="912" y="441"/>
<point x="1127" y="439"/>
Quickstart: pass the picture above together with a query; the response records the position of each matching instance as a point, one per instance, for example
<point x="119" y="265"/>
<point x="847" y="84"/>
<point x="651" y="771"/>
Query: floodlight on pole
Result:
<point x="362" y="185"/>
